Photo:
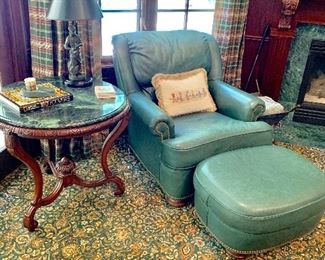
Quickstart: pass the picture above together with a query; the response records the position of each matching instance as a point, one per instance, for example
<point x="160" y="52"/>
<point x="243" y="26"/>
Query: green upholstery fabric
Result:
<point x="259" y="197"/>
<point x="202" y="135"/>
<point x="235" y="103"/>
<point x="169" y="147"/>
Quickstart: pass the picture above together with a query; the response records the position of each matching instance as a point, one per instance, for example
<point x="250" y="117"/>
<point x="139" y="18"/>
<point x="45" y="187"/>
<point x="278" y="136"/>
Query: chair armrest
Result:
<point x="152" y="115"/>
<point x="234" y="102"/>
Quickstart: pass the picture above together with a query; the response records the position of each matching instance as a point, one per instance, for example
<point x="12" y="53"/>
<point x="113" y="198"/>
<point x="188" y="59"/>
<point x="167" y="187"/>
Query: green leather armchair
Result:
<point x="170" y="148"/>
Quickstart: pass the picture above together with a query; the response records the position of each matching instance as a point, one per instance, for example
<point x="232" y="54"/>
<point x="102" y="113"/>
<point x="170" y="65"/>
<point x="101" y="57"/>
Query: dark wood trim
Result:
<point x="256" y="38"/>
<point x="276" y="61"/>
<point x="311" y="11"/>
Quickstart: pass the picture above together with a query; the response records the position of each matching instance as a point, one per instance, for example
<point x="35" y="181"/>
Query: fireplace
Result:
<point x="311" y="99"/>
<point x="280" y="76"/>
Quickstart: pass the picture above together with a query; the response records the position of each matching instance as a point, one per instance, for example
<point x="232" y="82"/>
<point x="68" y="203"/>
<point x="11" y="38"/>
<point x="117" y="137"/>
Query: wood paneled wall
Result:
<point x="261" y="13"/>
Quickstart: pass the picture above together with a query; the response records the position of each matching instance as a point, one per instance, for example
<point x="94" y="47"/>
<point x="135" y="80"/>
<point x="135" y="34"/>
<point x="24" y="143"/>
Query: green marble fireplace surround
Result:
<point x="290" y="131"/>
<point x="297" y="59"/>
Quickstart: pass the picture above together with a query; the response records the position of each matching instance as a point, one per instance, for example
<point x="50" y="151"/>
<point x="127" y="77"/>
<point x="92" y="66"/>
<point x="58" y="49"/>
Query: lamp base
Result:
<point x="79" y="83"/>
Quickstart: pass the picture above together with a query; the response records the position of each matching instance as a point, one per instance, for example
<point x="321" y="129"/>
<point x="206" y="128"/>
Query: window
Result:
<point x="118" y="17"/>
<point x="185" y="14"/>
<point x="125" y="16"/>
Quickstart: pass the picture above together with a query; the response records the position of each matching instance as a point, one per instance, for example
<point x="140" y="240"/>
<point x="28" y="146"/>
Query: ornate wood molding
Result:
<point x="65" y="132"/>
<point x="289" y="8"/>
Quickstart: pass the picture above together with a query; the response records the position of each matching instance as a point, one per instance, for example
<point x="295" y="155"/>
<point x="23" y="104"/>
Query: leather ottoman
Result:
<point x="257" y="198"/>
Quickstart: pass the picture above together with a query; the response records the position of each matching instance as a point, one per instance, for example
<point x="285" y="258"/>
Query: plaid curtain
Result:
<point x="229" y="29"/>
<point x="49" y="58"/>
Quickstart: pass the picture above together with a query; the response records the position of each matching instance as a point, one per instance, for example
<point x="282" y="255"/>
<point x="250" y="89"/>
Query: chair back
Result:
<point x="139" y="56"/>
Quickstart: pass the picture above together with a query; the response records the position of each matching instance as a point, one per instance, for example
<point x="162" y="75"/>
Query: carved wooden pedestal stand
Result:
<point x="64" y="170"/>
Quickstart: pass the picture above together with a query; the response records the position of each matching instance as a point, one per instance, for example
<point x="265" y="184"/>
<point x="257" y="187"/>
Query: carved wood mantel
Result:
<point x="284" y="16"/>
<point x="289" y="8"/>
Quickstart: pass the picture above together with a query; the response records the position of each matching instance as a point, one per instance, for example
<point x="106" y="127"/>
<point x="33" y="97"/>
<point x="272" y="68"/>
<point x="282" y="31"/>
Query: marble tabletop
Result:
<point x="84" y="109"/>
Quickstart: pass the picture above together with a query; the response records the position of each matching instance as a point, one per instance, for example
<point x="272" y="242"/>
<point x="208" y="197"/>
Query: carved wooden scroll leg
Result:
<point x="15" y="148"/>
<point x="108" y="143"/>
<point x="51" y="156"/>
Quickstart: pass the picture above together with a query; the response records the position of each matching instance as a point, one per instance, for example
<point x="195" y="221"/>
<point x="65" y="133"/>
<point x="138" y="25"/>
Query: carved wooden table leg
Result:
<point x="51" y="156"/>
<point x="114" y="134"/>
<point x="108" y="176"/>
<point x="15" y="148"/>
<point x="65" y="168"/>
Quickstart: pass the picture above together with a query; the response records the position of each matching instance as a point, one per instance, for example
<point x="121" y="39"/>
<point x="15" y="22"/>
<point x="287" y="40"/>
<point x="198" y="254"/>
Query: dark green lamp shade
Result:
<point x="74" y="10"/>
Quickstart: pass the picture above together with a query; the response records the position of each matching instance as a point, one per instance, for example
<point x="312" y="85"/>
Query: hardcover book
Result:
<point x="23" y="100"/>
<point x="105" y="92"/>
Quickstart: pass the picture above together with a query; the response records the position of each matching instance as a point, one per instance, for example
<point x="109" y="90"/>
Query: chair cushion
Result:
<point x="202" y="135"/>
<point x="183" y="93"/>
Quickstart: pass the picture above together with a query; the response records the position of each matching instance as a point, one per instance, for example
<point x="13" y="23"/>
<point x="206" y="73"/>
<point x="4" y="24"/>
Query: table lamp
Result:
<point x="73" y="11"/>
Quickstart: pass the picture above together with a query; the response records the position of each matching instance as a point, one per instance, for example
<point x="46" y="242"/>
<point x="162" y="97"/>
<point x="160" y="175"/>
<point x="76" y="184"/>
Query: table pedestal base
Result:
<point x="64" y="170"/>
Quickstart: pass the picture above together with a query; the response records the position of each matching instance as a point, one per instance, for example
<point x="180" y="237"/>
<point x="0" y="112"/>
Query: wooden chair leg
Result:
<point x="237" y="255"/>
<point x="178" y="203"/>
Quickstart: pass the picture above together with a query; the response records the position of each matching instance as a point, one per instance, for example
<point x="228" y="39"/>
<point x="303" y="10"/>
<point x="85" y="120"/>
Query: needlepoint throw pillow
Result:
<point x="183" y="93"/>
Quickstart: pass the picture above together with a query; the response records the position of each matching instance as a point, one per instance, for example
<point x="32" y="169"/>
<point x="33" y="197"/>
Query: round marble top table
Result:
<point x="84" y="115"/>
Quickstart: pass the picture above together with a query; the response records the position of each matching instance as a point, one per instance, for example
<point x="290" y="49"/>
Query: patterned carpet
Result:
<point x="298" y="133"/>
<point x="93" y="224"/>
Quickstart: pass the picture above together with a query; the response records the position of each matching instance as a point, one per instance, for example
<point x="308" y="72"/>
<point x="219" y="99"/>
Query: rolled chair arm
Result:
<point x="157" y="120"/>
<point x="234" y="102"/>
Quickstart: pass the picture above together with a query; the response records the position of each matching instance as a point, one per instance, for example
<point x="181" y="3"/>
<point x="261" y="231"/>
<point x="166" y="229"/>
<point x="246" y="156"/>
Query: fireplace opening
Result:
<point x="311" y="100"/>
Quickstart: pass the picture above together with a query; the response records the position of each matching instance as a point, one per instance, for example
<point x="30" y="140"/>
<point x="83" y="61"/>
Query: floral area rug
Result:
<point x="91" y="223"/>
<point x="292" y="132"/>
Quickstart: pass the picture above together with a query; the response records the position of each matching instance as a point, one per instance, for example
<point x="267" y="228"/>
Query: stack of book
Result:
<point x="105" y="92"/>
<point x="22" y="100"/>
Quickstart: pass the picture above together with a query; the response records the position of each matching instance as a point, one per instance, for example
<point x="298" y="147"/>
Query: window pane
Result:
<point x="115" y="23"/>
<point x="170" y="21"/>
<point x="200" y="21"/>
<point x="119" y="5"/>
<point x="202" y="4"/>
<point x="171" y="4"/>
